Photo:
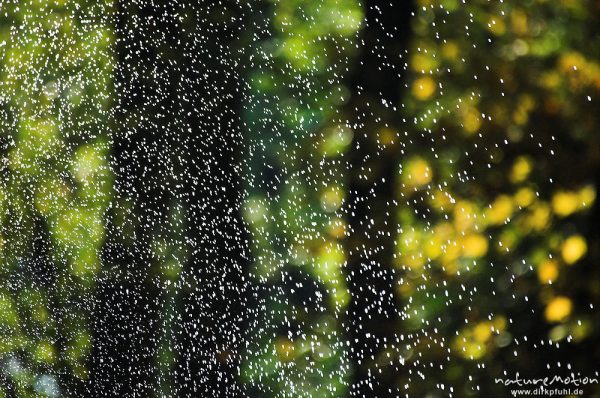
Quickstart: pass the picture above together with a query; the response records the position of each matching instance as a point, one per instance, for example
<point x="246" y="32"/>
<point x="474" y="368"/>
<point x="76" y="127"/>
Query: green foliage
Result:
<point x="495" y="144"/>
<point x="295" y="188"/>
<point x="495" y="151"/>
<point x="55" y="73"/>
<point x="501" y="257"/>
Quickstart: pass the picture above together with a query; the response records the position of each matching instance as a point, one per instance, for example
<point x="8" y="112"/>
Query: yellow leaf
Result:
<point x="573" y="249"/>
<point x="521" y="169"/>
<point x="548" y="271"/>
<point x="423" y="88"/>
<point x="417" y="173"/>
<point x="558" y="309"/>
<point x="482" y="332"/>
<point x="565" y="203"/>
<point x="496" y="26"/>
<point x="500" y="210"/>
<point x="524" y="197"/>
<point x="475" y="245"/>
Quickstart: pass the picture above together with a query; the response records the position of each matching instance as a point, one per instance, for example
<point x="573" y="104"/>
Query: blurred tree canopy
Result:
<point x="401" y="199"/>
<point x="497" y="242"/>
<point x="55" y="189"/>
<point x="471" y="194"/>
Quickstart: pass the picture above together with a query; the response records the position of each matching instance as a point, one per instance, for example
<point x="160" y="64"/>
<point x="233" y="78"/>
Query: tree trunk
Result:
<point x="373" y="316"/>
